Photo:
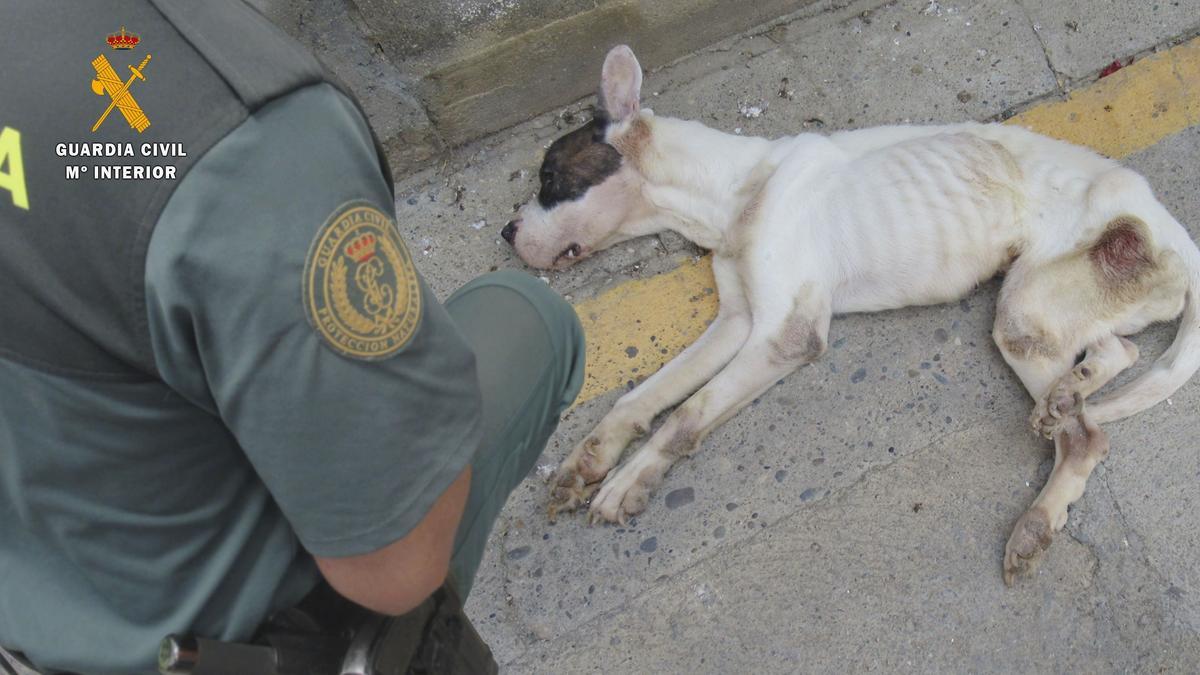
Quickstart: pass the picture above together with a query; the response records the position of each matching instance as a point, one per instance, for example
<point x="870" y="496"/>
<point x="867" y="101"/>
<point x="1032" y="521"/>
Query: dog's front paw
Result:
<point x="625" y="494"/>
<point x="570" y="491"/>
<point x="1031" y="536"/>
<point x="1064" y="402"/>
<point x="579" y="475"/>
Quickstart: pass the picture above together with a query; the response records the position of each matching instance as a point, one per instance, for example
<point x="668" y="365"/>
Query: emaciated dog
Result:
<point x="809" y="226"/>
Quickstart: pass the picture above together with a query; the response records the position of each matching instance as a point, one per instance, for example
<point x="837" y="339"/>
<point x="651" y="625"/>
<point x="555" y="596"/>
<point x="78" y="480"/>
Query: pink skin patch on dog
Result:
<point x="1120" y="253"/>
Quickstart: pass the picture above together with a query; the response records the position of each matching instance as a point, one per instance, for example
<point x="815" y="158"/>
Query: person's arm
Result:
<point x="399" y="576"/>
<point x="282" y="299"/>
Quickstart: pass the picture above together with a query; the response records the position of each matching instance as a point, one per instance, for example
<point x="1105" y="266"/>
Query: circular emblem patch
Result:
<point x="360" y="286"/>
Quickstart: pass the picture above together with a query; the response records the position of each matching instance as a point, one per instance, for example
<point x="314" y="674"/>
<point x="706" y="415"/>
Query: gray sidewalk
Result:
<point x="854" y="517"/>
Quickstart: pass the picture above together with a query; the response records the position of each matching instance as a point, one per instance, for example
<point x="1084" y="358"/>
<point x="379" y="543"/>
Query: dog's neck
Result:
<point x="699" y="180"/>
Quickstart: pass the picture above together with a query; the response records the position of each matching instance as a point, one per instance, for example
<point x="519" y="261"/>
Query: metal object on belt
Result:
<point x="189" y="655"/>
<point x="290" y="654"/>
<point x="327" y="635"/>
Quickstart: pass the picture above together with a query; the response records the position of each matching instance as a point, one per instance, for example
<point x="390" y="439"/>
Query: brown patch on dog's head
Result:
<point x="589" y="185"/>
<point x="573" y="229"/>
<point x="576" y="162"/>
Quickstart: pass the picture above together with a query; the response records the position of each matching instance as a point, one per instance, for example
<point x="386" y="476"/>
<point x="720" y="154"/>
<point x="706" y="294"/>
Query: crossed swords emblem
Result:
<point x="107" y="82"/>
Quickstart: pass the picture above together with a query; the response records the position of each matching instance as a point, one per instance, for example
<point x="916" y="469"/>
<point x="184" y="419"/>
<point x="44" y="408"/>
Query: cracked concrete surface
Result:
<point x="1083" y="36"/>
<point x="854" y="517"/>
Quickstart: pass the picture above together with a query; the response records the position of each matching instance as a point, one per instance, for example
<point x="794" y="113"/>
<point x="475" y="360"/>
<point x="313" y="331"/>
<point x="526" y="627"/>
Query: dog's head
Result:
<point x="588" y="191"/>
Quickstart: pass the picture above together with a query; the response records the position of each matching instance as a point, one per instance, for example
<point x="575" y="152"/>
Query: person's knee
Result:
<point x="563" y="329"/>
<point x="559" y="316"/>
<point x="536" y="291"/>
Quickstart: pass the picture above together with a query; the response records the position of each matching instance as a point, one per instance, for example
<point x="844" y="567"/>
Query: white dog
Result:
<point x="805" y="227"/>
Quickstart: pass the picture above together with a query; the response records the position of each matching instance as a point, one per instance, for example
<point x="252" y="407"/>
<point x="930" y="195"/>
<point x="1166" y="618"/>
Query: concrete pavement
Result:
<point x="854" y="517"/>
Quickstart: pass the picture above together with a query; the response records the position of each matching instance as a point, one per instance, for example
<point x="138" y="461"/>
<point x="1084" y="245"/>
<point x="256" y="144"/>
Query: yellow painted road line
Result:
<point x="636" y="327"/>
<point x="1129" y="110"/>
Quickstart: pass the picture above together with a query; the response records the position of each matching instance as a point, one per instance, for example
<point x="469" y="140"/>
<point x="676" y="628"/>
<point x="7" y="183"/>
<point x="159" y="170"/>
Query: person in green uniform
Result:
<point x="221" y="390"/>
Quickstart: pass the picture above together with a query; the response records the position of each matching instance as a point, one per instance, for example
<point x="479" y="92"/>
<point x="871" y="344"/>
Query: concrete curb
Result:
<point x="535" y="71"/>
<point x="422" y="105"/>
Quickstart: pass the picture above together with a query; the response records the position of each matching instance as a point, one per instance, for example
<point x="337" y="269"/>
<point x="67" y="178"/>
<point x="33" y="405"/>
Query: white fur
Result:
<point x="805" y="227"/>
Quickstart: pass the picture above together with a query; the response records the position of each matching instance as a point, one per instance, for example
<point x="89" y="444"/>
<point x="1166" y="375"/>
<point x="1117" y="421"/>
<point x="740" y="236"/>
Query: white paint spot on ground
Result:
<point x="751" y="111"/>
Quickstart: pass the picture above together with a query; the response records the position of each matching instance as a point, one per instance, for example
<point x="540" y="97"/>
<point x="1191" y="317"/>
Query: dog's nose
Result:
<point x="510" y="230"/>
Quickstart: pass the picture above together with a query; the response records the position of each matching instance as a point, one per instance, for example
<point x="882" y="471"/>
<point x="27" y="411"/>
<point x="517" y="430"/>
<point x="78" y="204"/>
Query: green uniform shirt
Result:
<point x="313" y="396"/>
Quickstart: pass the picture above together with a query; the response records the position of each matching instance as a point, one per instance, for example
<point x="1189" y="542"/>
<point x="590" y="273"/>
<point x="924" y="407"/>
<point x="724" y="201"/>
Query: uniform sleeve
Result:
<point x="281" y="299"/>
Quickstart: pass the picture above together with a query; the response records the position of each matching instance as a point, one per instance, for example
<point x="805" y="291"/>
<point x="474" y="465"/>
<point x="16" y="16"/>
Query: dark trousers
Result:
<point x="530" y="356"/>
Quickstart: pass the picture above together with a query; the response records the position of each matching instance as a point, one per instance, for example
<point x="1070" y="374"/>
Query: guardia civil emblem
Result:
<point x="360" y="286"/>
<point x="108" y="83"/>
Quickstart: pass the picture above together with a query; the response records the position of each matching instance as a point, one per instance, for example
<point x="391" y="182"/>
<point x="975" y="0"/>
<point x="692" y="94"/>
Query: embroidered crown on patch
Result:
<point x="123" y="40"/>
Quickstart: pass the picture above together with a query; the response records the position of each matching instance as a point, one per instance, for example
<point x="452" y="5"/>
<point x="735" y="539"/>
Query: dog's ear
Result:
<point x="620" y="83"/>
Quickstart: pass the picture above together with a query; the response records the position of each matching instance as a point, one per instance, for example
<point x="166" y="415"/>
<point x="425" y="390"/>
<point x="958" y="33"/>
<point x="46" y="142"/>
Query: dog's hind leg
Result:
<point x="1036" y="331"/>
<point x="767" y="356"/>
<point x="581" y="472"/>
<point x="1048" y="313"/>
<point x="1079" y="445"/>
<point x="1104" y="360"/>
<point x="1037" y="359"/>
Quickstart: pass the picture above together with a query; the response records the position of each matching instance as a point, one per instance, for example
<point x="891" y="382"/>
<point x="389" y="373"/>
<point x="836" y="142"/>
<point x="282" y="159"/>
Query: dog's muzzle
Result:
<point x="510" y="231"/>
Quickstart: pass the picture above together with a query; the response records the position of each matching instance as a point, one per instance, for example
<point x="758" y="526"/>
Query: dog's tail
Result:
<point x="1176" y="365"/>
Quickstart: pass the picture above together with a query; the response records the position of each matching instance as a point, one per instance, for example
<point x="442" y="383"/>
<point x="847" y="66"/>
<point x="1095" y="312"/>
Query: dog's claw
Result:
<point x="1031" y="536"/>
<point x="569" y="492"/>
<point x="623" y="495"/>
<point x="1061" y="404"/>
<point x="619" y="517"/>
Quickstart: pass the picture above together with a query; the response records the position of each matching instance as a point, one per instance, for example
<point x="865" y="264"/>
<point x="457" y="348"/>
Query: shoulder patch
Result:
<point x="361" y="293"/>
